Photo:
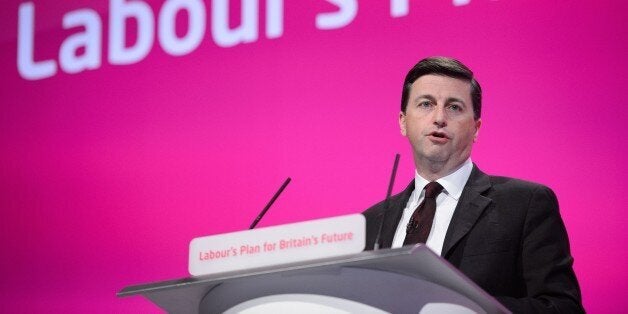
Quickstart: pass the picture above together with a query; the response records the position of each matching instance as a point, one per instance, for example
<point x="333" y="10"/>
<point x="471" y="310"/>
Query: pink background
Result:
<point x="106" y="175"/>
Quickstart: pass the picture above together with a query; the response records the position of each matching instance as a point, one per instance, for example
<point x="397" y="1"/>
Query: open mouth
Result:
<point x="438" y="135"/>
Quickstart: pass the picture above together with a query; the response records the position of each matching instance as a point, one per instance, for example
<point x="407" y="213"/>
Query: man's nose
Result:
<point x="440" y="117"/>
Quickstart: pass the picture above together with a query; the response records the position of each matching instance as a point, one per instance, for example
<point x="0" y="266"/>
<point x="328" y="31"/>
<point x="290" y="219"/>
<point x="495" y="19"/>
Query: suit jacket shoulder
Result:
<point x="507" y="236"/>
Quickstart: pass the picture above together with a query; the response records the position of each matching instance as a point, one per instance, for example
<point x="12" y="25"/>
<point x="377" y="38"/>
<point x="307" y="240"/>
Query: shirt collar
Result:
<point x="453" y="184"/>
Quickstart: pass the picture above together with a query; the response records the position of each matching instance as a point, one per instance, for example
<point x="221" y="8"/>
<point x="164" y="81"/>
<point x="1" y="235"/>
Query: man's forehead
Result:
<point x="441" y="85"/>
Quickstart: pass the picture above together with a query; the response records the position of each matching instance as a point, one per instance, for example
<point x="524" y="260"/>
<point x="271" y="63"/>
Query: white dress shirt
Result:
<point x="446" y="202"/>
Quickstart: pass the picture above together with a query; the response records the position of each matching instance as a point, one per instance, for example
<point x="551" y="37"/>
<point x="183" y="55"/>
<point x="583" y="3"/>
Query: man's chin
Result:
<point x="436" y="156"/>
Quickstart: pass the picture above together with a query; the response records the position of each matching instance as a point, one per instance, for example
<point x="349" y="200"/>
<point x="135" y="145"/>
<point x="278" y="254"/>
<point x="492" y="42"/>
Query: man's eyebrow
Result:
<point x="426" y="96"/>
<point x="454" y="99"/>
<point x="432" y="98"/>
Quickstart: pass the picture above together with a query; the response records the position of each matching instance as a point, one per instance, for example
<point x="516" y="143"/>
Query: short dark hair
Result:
<point x="447" y="67"/>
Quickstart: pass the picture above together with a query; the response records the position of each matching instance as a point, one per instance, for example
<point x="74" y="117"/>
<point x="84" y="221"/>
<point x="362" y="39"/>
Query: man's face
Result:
<point x="439" y="122"/>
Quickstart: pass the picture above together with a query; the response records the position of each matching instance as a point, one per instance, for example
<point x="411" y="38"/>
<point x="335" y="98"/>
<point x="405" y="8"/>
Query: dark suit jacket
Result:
<point x="507" y="236"/>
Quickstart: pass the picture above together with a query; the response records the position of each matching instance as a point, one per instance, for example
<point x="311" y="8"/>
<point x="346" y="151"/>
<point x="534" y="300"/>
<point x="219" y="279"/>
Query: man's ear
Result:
<point x="478" y="124"/>
<point x="402" y="123"/>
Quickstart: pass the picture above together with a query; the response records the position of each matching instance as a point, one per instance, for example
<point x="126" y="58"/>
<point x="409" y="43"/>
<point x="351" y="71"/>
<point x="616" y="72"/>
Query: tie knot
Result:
<point x="432" y="189"/>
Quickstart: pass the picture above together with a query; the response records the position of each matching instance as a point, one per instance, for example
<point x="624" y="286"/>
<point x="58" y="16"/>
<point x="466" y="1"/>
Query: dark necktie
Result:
<point x="421" y="221"/>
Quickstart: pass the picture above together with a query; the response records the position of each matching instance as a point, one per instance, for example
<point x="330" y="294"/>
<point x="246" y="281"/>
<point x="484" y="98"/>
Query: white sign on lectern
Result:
<point x="296" y="242"/>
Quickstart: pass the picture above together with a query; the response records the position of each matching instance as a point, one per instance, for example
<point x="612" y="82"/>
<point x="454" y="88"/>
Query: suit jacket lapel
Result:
<point x="470" y="206"/>
<point x="393" y="215"/>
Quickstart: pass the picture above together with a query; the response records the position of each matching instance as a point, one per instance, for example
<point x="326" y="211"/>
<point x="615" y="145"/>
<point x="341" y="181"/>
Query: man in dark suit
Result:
<point x="505" y="234"/>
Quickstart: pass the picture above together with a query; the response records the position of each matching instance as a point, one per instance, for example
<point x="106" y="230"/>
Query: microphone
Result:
<point x="272" y="200"/>
<point x="377" y="243"/>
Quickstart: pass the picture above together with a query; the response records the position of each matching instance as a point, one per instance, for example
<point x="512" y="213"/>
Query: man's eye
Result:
<point x="455" y="107"/>
<point x="425" y="104"/>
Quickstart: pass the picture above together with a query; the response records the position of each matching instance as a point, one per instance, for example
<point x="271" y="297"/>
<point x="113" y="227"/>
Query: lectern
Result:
<point x="411" y="279"/>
